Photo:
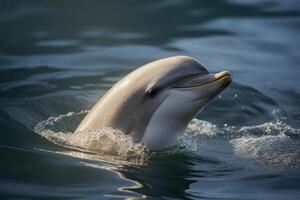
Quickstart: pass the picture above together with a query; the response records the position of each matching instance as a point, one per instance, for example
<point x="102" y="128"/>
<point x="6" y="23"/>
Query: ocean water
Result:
<point x="57" y="58"/>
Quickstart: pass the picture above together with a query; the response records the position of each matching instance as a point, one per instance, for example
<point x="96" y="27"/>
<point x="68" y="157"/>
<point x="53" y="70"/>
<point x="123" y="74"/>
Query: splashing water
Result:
<point x="278" y="151"/>
<point x="105" y="141"/>
<point x="274" y="143"/>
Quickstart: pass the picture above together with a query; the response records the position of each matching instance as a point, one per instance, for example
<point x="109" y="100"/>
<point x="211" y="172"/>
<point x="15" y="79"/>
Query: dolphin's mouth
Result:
<point x="207" y="79"/>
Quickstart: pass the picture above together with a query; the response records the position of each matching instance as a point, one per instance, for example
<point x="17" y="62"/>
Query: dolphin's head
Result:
<point x="156" y="102"/>
<point x="171" y="92"/>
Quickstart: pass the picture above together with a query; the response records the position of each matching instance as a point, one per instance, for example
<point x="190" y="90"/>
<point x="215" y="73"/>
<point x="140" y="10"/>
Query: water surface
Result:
<point x="57" y="58"/>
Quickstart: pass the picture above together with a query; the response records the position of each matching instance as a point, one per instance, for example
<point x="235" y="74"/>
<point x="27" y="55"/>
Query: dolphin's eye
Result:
<point x="152" y="92"/>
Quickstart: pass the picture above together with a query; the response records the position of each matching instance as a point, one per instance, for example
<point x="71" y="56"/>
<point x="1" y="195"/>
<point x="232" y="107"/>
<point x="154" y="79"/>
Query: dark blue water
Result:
<point x="57" y="58"/>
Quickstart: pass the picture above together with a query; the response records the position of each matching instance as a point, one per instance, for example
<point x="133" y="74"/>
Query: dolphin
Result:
<point x="155" y="103"/>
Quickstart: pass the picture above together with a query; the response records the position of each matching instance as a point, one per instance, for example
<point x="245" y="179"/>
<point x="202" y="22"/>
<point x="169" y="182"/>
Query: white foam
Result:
<point x="202" y="129"/>
<point x="102" y="141"/>
<point x="274" y="144"/>
<point x="276" y="151"/>
<point x="269" y="128"/>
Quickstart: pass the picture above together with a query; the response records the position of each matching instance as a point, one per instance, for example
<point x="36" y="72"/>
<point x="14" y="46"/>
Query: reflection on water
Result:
<point x="156" y="177"/>
<point x="58" y="57"/>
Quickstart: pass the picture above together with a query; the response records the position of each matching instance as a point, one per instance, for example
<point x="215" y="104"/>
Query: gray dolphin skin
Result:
<point x="155" y="102"/>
